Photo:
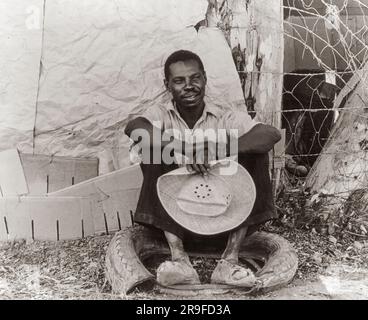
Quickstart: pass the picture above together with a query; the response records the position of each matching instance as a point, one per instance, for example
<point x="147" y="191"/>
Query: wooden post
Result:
<point x="254" y="30"/>
<point x="256" y="38"/>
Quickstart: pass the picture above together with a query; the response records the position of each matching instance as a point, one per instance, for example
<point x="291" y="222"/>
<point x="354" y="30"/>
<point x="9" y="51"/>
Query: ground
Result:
<point x="328" y="269"/>
<point x="333" y="262"/>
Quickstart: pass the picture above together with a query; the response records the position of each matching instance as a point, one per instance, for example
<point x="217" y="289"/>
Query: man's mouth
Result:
<point x="191" y="96"/>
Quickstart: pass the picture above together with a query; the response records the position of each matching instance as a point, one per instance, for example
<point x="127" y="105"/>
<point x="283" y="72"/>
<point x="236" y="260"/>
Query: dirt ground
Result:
<point x="329" y="268"/>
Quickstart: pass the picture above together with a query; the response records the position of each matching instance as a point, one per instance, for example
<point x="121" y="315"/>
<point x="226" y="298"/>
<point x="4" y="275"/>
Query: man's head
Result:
<point x="185" y="78"/>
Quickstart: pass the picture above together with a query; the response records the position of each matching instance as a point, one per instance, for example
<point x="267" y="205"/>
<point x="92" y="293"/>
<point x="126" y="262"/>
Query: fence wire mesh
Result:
<point x="325" y="100"/>
<point x="325" y="109"/>
<point x="326" y="46"/>
<point x="324" y="95"/>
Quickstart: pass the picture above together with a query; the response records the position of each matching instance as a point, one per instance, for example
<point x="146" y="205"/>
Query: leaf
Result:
<point x="331" y="229"/>
<point x="332" y="239"/>
<point x="317" y="258"/>
<point x="315" y="198"/>
<point x="364" y="230"/>
<point x="358" y="245"/>
<point x="325" y="216"/>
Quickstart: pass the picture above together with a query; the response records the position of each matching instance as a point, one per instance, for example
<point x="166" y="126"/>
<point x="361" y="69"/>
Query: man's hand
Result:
<point x="203" y="169"/>
<point x="203" y="153"/>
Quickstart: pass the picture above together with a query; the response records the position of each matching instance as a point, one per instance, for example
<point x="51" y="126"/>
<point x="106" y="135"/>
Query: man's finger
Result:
<point x="189" y="168"/>
<point x="207" y="166"/>
<point x="203" y="169"/>
<point x="196" y="168"/>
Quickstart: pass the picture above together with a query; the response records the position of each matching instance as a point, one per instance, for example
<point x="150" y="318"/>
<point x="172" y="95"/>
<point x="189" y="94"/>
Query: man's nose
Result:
<point x="188" y="84"/>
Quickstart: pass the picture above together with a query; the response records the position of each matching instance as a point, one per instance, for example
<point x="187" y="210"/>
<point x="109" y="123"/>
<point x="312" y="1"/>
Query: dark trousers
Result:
<point x="151" y="213"/>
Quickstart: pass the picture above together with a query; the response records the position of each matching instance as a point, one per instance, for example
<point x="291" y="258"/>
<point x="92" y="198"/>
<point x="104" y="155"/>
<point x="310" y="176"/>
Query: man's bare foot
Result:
<point x="230" y="273"/>
<point x="180" y="269"/>
<point x="177" y="272"/>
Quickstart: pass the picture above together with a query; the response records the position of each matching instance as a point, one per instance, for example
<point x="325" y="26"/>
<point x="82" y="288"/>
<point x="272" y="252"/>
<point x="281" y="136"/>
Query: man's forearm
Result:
<point x="259" y="139"/>
<point x="155" y="137"/>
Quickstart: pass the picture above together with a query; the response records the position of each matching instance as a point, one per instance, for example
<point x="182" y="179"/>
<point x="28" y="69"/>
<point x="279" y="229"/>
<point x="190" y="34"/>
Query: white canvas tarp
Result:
<point x="102" y="62"/>
<point x="20" y="53"/>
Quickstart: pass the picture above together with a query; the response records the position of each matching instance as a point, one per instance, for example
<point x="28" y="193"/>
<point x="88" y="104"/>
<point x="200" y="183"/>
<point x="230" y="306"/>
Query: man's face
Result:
<point x="187" y="83"/>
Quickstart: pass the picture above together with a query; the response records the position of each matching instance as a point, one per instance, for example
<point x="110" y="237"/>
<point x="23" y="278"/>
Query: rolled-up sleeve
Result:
<point x="155" y="115"/>
<point x="237" y="123"/>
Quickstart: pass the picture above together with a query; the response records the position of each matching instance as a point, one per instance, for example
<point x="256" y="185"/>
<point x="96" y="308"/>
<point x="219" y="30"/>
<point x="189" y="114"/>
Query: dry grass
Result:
<point x="75" y="269"/>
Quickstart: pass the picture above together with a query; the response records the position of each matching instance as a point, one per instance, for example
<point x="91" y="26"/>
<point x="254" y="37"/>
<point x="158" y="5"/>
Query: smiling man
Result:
<point x="191" y="110"/>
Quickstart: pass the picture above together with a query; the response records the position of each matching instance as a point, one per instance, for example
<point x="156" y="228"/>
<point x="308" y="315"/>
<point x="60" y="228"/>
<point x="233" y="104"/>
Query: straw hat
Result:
<point x="209" y="205"/>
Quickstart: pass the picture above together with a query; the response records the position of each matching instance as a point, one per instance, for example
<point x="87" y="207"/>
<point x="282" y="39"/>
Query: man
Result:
<point x="190" y="109"/>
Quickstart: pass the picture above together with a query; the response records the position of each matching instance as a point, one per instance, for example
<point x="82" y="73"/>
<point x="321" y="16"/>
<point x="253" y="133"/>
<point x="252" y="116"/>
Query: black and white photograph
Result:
<point x="196" y="151"/>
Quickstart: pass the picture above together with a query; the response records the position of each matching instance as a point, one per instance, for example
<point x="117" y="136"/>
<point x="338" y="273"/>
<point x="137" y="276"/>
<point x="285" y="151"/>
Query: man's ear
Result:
<point x="205" y="76"/>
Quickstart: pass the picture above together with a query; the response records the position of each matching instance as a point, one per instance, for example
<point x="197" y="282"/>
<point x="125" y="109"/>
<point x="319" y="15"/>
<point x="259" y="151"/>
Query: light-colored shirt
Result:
<point x="165" y="116"/>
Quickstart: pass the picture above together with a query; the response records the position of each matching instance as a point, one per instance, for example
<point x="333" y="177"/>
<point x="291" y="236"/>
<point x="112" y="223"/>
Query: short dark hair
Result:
<point x="181" y="55"/>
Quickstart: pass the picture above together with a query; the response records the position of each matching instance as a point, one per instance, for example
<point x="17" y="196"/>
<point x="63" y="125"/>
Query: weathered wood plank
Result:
<point x="56" y="218"/>
<point x="123" y="179"/>
<point x="127" y="208"/>
<point x="12" y="179"/>
<point x="88" y="227"/>
<point x="112" y="221"/>
<point x="85" y="170"/>
<point x="52" y="218"/>
<point x="48" y="174"/>
<point x="114" y="195"/>
<point x="3" y="231"/>
<point x="36" y="170"/>
<point x="70" y="220"/>
<point x="18" y="218"/>
<point x="61" y="175"/>
<point x="44" y="220"/>
<point x="119" y="209"/>
<point x="89" y="190"/>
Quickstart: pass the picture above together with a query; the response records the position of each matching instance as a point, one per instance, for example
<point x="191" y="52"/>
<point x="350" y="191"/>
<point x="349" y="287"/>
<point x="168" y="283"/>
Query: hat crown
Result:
<point x="204" y="196"/>
<point x="228" y="200"/>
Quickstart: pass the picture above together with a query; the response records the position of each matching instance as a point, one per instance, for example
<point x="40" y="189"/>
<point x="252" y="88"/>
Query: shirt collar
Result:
<point x="209" y="108"/>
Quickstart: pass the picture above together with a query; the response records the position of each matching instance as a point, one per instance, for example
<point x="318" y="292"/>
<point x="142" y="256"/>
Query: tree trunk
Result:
<point x="342" y="167"/>
<point x="254" y="30"/>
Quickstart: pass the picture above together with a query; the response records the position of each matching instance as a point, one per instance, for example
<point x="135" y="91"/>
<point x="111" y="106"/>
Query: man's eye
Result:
<point x="178" y="81"/>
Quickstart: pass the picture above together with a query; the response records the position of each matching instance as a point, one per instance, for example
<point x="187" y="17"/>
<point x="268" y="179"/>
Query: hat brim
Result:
<point x="243" y="193"/>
